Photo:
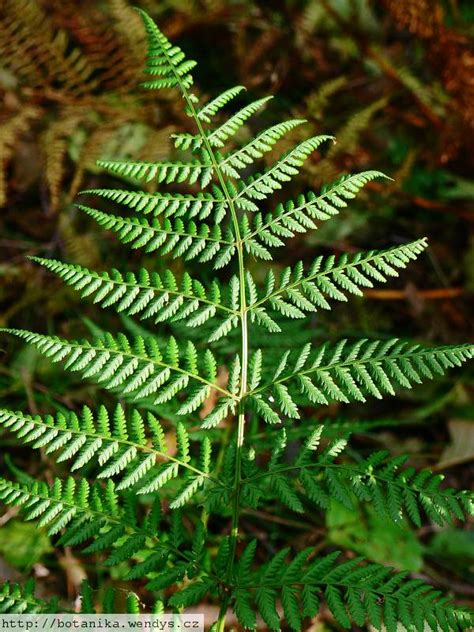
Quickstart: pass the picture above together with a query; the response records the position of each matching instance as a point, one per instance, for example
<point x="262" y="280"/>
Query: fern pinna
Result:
<point x="231" y="441"/>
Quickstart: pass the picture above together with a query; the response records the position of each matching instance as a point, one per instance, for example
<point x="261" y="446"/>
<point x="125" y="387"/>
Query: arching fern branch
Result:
<point x="317" y="474"/>
<point x="248" y="154"/>
<point x="17" y="599"/>
<point x="153" y="297"/>
<point x="138" y="368"/>
<point x="348" y="372"/>
<point x="124" y="450"/>
<point x="179" y="239"/>
<point x="199" y="206"/>
<point x="299" y="216"/>
<point x="299" y="293"/>
<point x="260" y="186"/>
<point x="208" y="111"/>
<point x="166" y="172"/>
<point x="92" y="517"/>
<point x="353" y="591"/>
<point x="223" y="132"/>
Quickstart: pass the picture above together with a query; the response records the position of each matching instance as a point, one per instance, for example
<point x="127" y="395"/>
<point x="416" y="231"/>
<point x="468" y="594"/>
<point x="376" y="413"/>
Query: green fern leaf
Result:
<point x="162" y="299"/>
<point x="165" y="62"/>
<point x="344" y="372"/>
<point x="208" y="111"/>
<point x="137" y="366"/>
<point x="298" y="217"/>
<point x="298" y="294"/>
<point x="181" y="240"/>
<point x="260" y="186"/>
<point x="168" y="171"/>
<point x="199" y="206"/>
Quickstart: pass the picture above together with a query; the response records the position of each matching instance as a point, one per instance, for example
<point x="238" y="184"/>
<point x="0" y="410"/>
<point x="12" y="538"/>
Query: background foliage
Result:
<point x="392" y="80"/>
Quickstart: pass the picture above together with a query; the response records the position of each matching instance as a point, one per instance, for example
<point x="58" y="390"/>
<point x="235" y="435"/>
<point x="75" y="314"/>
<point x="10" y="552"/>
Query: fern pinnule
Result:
<point x="17" y="599"/>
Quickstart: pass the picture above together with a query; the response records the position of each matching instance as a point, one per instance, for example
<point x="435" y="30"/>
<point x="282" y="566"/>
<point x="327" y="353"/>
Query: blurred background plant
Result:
<point x="393" y="80"/>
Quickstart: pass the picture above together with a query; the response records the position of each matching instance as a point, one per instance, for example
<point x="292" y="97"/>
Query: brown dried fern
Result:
<point x="82" y="69"/>
<point x="451" y="53"/>
<point x="11" y="128"/>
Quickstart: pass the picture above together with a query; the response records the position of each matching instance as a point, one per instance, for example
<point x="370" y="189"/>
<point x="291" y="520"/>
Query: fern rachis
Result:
<point x="126" y="450"/>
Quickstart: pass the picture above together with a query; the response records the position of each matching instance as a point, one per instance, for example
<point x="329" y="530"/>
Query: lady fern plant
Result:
<point x="232" y="456"/>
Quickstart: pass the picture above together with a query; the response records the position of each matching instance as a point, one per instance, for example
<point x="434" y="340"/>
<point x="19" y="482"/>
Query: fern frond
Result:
<point x="57" y="506"/>
<point x="221" y="134"/>
<point x="298" y="293"/>
<point x="165" y="61"/>
<point x="124" y="450"/>
<point x="188" y="240"/>
<point x="208" y="111"/>
<point x="260" y="186"/>
<point x="93" y="514"/>
<point x="396" y="492"/>
<point x="164" y="171"/>
<point x="298" y="217"/>
<point x="347" y="372"/>
<point x="253" y="150"/>
<point x="37" y="52"/>
<point x="130" y="452"/>
<point x="150" y="296"/>
<point x="17" y="599"/>
<point x="354" y="591"/>
<point x="135" y="368"/>
<point x="199" y="206"/>
<point x="107" y="601"/>
<point x="383" y="481"/>
<point x="10" y="131"/>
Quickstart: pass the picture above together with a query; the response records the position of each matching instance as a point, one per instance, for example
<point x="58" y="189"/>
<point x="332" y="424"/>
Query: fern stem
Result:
<point x="234" y="534"/>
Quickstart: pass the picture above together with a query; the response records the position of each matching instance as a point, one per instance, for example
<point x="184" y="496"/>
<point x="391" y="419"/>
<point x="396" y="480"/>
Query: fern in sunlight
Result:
<point x="132" y="477"/>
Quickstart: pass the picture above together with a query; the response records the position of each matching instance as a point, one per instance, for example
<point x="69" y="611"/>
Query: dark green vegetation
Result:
<point x="331" y="494"/>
